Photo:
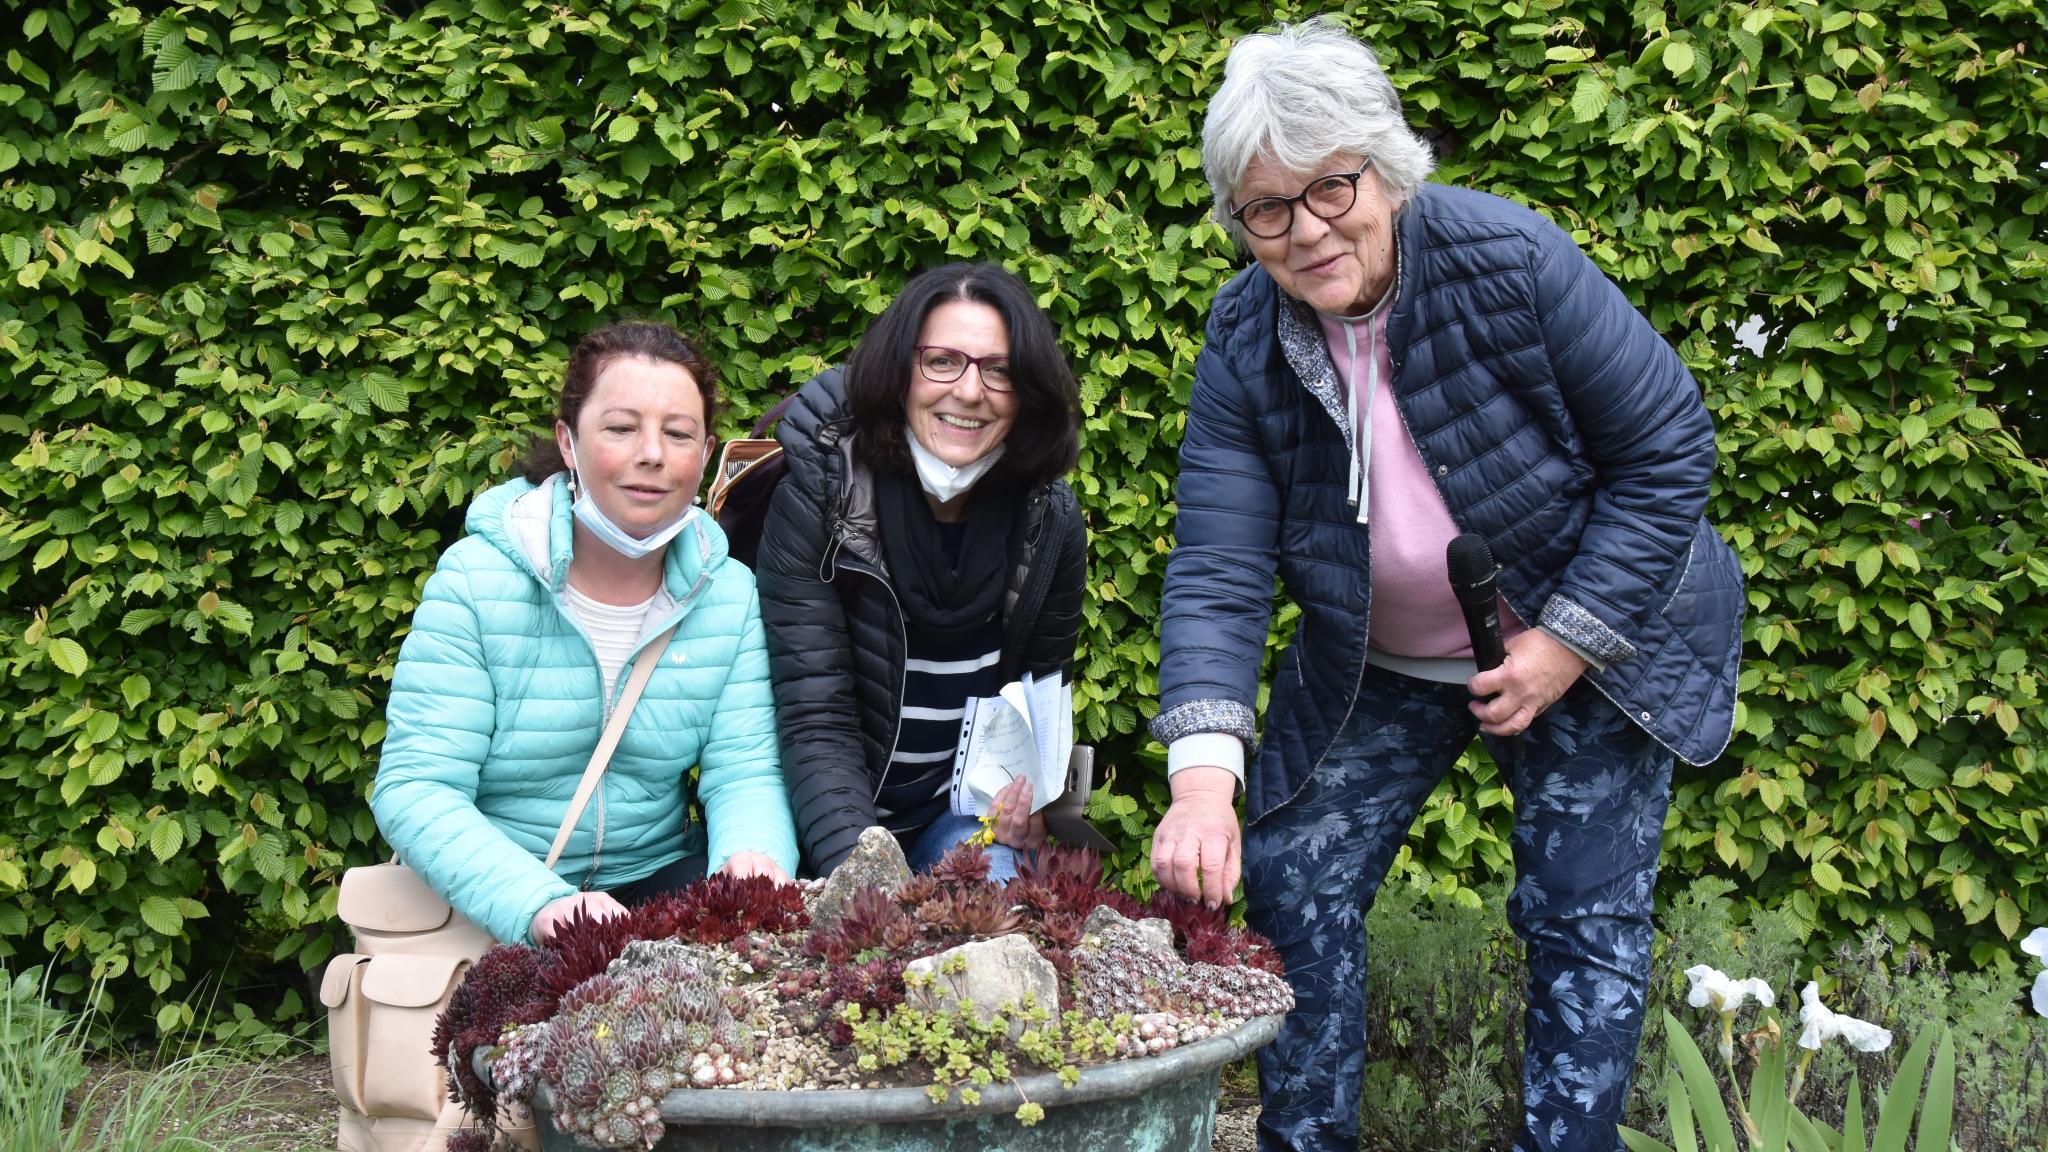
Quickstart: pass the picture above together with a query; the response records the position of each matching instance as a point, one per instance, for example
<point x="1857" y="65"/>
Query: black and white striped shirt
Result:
<point x="937" y="683"/>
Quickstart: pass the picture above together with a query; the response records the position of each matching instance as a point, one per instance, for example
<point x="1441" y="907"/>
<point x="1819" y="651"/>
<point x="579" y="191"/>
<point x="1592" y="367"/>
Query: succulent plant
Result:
<point x="582" y="947"/>
<point x="721" y="908"/>
<point x="470" y="1140"/>
<point x="1119" y="971"/>
<point x="698" y="988"/>
<point x="500" y="990"/>
<point x="964" y="864"/>
<point x="655" y="1021"/>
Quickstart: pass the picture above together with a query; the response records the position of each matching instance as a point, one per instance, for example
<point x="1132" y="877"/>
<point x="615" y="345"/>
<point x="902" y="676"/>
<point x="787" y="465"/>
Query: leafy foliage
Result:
<point x="1444" y="1014"/>
<point x="283" y="285"/>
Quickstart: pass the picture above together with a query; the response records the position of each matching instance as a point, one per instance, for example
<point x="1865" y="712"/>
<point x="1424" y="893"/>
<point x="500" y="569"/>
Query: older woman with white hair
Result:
<point x="1406" y="364"/>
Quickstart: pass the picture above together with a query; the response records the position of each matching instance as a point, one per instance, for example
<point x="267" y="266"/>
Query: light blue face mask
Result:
<point x="612" y="536"/>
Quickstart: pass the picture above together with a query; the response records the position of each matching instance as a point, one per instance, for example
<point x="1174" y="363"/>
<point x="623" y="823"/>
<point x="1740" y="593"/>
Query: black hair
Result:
<point x="1044" y="442"/>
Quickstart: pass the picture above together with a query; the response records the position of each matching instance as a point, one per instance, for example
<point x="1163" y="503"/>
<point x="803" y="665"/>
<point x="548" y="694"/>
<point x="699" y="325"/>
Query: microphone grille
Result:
<point x="1469" y="560"/>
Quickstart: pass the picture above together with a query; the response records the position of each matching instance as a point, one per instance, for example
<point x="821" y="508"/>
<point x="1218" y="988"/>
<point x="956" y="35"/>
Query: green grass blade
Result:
<point x="42" y="1059"/>
<point x="1715" y="1126"/>
<point x="1684" y="1136"/>
<point x="1768" y="1104"/>
<point x="1939" y="1111"/>
<point x="1639" y="1141"/>
<point x="1895" y="1115"/>
<point x="1852" y="1120"/>
<point x="1806" y="1135"/>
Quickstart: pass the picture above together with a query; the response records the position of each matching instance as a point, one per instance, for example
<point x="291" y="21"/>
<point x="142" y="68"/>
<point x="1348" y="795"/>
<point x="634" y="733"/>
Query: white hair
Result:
<point x="1298" y="95"/>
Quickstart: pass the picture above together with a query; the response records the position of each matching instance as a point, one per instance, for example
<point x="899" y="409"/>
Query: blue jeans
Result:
<point x="939" y="837"/>
<point x="1590" y="791"/>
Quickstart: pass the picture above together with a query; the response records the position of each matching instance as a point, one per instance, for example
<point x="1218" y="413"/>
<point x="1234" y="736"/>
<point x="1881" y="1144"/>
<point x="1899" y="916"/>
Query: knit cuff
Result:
<point x="1226" y="716"/>
<point x="1564" y="618"/>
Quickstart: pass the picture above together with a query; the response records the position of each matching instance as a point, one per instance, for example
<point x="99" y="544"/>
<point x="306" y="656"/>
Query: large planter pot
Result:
<point x="1164" y="1103"/>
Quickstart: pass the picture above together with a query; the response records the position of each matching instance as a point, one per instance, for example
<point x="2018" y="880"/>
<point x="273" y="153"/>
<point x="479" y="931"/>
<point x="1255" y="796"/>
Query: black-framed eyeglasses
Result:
<point x="1331" y="196"/>
<point x="945" y="365"/>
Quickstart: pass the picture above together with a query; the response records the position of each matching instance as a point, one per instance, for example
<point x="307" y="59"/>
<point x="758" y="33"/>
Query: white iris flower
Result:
<point x="2036" y="945"/>
<point x="1712" y="988"/>
<point x="1823" y="1024"/>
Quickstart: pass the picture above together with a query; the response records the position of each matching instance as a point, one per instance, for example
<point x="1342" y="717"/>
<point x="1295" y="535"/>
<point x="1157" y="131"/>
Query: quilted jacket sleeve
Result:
<point x="811" y="658"/>
<point x="1647" y="432"/>
<point x="1219" y="580"/>
<point x="1051" y="644"/>
<point x="739" y="777"/>
<point x="439" y="724"/>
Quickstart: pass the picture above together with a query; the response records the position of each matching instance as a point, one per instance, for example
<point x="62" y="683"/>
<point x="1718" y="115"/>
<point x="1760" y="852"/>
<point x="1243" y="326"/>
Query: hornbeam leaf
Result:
<point x="69" y="656"/>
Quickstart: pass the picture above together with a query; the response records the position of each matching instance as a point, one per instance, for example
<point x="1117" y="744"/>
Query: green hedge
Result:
<point x="286" y="283"/>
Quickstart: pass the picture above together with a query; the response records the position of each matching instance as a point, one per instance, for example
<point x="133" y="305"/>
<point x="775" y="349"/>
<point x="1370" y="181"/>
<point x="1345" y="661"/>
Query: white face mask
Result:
<point x="612" y="536"/>
<point x="940" y="480"/>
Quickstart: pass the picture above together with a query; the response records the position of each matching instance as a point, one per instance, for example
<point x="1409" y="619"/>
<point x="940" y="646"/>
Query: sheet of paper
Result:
<point x="995" y="747"/>
<point x="1049" y="704"/>
<point x="1026" y="730"/>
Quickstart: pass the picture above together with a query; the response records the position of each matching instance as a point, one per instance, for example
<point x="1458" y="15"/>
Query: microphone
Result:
<point x="1471" y="567"/>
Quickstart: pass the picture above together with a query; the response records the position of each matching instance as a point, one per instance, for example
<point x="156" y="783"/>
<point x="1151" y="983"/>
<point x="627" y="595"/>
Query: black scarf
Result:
<point x="944" y="600"/>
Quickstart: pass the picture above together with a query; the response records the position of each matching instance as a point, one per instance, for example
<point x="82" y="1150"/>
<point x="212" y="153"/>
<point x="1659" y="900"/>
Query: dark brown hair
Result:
<point x="646" y="341"/>
<point x="1044" y="443"/>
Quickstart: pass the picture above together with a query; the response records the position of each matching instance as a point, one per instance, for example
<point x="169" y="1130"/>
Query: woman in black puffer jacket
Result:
<point x="921" y="549"/>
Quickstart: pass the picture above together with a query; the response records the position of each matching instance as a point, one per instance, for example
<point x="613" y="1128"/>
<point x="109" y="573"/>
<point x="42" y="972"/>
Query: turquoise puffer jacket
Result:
<point x="496" y="707"/>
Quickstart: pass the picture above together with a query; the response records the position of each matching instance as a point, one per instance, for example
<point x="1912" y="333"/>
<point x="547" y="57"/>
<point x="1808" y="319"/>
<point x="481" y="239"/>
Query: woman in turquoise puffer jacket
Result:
<point x="525" y="637"/>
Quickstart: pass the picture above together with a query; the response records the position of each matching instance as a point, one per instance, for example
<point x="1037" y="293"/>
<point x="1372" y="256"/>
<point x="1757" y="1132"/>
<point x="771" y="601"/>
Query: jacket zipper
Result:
<point x="1352" y="705"/>
<point x="1032" y="594"/>
<point x="903" y="673"/>
<point x="829" y="437"/>
<point x="611" y="702"/>
<point x="1358" y="685"/>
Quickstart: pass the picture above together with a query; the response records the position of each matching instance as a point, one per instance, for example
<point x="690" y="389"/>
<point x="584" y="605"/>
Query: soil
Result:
<point x="293" y="1109"/>
<point x="290" y="1104"/>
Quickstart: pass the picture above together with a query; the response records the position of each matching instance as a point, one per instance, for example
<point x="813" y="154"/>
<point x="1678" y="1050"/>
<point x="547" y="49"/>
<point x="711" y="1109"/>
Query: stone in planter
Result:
<point x="876" y="862"/>
<point x="1121" y="967"/>
<point x="1152" y="931"/>
<point x="994" y="974"/>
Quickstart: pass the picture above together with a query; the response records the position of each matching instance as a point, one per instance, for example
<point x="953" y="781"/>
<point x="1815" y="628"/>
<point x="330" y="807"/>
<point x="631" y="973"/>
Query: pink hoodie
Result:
<point x="1413" y="612"/>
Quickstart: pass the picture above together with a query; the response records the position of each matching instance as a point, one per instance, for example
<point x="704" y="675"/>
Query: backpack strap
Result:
<point x="773" y="415"/>
<point x="643" y="670"/>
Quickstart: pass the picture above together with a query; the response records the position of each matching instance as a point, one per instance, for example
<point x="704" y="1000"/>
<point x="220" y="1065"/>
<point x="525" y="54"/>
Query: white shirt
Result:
<point x="613" y="630"/>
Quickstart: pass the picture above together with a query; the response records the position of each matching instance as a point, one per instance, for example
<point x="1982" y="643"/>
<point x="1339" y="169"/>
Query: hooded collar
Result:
<point x="532" y="524"/>
<point x="1302" y="343"/>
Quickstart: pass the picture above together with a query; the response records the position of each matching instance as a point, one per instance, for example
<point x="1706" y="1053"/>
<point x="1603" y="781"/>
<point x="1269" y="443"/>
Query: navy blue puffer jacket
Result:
<point x="1556" y="423"/>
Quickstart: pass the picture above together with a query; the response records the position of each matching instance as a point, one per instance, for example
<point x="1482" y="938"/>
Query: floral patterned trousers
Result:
<point x="1590" y="790"/>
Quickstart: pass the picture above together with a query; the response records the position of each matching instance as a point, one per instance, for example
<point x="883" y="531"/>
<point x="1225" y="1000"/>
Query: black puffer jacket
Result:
<point x="835" y="629"/>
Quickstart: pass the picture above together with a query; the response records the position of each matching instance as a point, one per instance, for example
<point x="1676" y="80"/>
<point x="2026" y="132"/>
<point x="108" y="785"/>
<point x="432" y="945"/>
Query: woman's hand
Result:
<point x="555" y="913"/>
<point x="1534" y="673"/>
<point x="1197" y="848"/>
<point x="1016" y="824"/>
<point x="741" y="865"/>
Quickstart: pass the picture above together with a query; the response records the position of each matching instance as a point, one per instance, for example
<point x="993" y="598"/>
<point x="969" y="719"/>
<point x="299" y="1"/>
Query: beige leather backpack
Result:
<point x="411" y="950"/>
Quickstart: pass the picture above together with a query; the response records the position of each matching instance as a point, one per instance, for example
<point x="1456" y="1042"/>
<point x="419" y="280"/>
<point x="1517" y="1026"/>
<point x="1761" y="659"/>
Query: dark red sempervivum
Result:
<point x="1069" y="879"/>
<point x="582" y="947"/>
<point x="500" y="990"/>
<point x="965" y="864"/>
<point x="720" y="909"/>
<point x="1205" y="935"/>
<point x="869" y="916"/>
<point x="876" y="986"/>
